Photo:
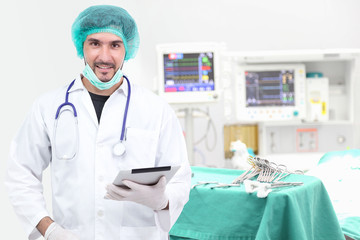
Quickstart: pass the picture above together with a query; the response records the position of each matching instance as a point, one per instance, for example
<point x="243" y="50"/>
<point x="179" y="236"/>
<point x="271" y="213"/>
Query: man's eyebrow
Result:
<point x="117" y="41"/>
<point x="112" y="42"/>
<point x="93" y="40"/>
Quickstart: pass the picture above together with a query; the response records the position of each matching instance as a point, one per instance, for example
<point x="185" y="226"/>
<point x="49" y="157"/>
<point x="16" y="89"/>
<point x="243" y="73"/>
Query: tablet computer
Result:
<point x="148" y="176"/>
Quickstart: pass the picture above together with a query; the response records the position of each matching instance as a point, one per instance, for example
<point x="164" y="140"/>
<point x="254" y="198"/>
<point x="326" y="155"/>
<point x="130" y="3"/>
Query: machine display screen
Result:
<point x="270" y="88"/>
<point x="189" y="72"/>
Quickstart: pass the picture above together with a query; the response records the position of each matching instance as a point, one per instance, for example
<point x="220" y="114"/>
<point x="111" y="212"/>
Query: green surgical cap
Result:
<point x="106" y="18"/>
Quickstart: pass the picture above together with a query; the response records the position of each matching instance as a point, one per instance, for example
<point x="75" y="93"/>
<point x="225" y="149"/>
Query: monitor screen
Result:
<point x="188" y="72"/>
<point x="270" y="92"/>
<point x="270" y="88"/>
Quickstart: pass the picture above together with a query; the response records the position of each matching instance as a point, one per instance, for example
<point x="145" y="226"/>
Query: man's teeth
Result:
<point x="103" y="67"/>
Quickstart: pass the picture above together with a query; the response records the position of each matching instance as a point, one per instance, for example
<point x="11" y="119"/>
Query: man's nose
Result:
<point x="104" y="54"/>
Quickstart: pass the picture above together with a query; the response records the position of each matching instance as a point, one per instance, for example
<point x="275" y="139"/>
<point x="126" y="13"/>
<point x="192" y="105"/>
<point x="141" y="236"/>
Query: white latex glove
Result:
<point x="56" y="232"/>
<point x="152" y="196"/>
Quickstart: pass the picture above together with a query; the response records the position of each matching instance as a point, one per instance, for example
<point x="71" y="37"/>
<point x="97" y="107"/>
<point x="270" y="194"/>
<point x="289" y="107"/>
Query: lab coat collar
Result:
<point x="123" y="87"/>
<point x="77" y="84"/>
<point x="85" y="99"/>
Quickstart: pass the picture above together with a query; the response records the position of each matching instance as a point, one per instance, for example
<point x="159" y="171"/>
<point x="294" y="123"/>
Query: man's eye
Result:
<point x="94" y="44"/>
<point x="116" y="45"/>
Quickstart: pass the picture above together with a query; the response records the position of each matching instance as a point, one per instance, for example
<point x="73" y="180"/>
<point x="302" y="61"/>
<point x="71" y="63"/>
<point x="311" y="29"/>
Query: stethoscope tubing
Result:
<point x="67" y="102"/>
<point x="126" y="110"/>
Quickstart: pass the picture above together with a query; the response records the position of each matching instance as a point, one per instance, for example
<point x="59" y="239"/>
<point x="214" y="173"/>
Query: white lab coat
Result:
<point x="153" y="138"/>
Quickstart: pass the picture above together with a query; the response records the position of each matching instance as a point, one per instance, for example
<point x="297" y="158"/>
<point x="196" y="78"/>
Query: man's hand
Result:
<point x="56" y="232"/>
<point x="153" y="196"/>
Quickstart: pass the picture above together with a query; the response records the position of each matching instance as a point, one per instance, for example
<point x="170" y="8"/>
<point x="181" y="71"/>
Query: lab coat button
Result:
<point x="100" y="213"/>
<point x="101" y="178"/>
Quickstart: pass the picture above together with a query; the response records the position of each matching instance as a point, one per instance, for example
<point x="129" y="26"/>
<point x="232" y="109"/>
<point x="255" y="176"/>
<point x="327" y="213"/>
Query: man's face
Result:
<point x="105" y="53"/>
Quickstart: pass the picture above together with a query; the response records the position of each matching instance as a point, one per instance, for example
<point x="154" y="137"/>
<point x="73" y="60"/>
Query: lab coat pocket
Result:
<point x="137" y="215"/>
<point x="138" y="222"/>
<point x="140" y="147"/>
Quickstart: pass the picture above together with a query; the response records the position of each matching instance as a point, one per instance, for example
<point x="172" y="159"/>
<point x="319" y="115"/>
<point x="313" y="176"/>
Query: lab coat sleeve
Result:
<point x="29" y="156"/>
<point x="172" y="148"/>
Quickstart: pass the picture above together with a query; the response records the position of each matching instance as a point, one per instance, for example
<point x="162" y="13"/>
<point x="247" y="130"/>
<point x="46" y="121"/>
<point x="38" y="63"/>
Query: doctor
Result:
<point x="89" y="130"/>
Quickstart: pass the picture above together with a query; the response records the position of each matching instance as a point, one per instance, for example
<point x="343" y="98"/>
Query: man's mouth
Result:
<point x="103" y="67"/>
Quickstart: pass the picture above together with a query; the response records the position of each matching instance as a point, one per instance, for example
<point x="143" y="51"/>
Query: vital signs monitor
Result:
<point x="188" y="72"/>
<point x="271" y="92"/>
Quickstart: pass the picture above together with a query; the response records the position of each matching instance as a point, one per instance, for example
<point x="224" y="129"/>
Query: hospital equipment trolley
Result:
<point x="297" y="213"/>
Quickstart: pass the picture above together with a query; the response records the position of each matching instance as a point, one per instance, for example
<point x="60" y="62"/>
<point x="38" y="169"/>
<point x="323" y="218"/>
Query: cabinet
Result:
<point x="302" y="137"/>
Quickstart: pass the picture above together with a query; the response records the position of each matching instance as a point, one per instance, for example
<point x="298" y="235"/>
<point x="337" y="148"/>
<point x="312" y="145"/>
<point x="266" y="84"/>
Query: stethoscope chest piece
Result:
<point x="119" y="149"/>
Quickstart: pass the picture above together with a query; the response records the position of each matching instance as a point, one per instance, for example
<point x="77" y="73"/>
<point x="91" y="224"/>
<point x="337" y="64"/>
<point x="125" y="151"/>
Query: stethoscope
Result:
<point x="119" y="149"/>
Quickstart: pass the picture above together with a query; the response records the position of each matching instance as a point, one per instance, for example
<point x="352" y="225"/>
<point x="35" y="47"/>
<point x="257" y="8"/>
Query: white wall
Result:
<point x="37" y="53"/>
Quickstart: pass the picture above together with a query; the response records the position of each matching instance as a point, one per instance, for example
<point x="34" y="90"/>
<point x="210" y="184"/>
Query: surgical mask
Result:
<point x="94" y="80"/>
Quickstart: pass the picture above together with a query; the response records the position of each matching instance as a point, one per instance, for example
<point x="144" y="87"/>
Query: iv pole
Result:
<point x="189" y="134"/>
